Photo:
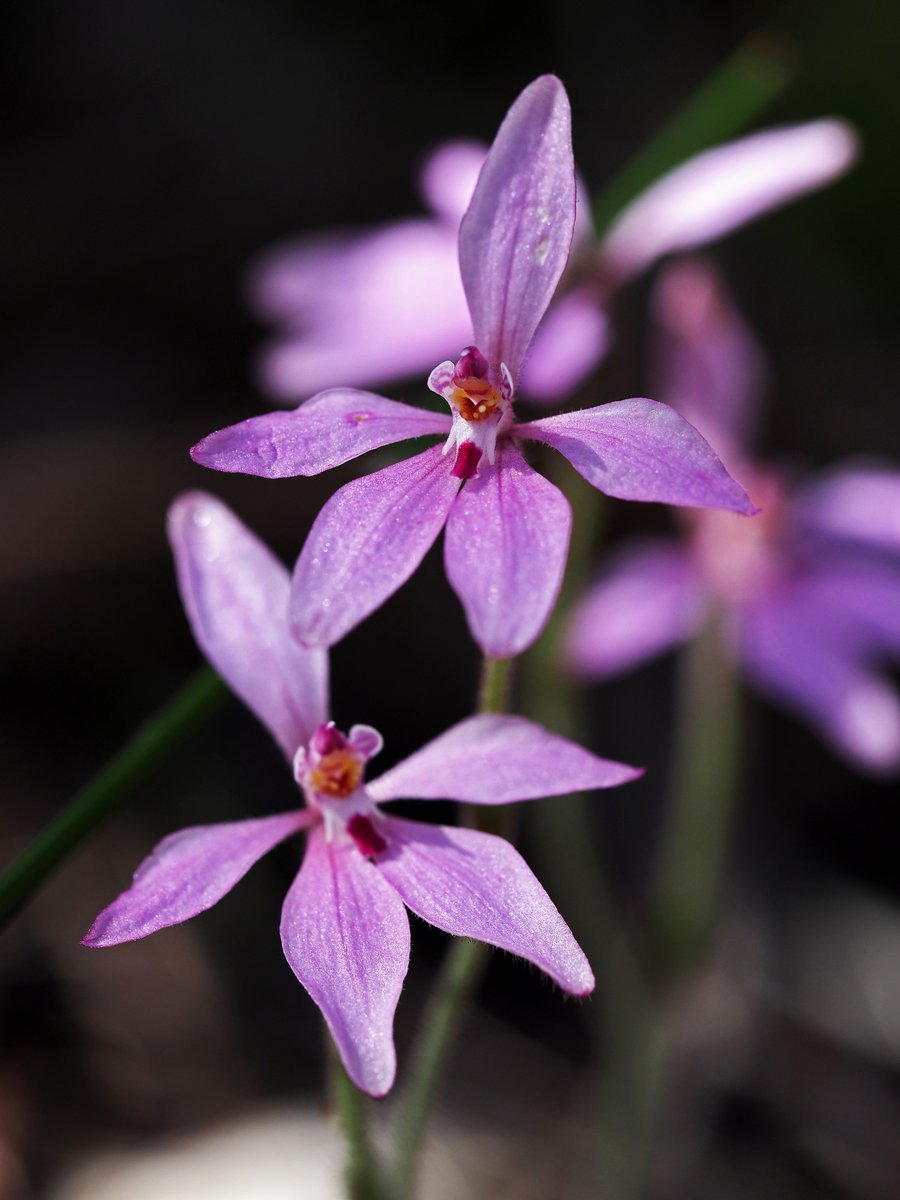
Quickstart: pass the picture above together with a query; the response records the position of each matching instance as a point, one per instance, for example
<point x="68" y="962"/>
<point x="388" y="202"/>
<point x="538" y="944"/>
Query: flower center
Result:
<point x="471" y="392"/>
<point x="337" y="774"/>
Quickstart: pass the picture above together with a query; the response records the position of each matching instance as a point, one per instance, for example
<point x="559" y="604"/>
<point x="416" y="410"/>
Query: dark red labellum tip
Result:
<point x="367" y="838"/>
<point x="467" y="459"/>
<point x="471" y="363"/>
<point x="327" y="739"/>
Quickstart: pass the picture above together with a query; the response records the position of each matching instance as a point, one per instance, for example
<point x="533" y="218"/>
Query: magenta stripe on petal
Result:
<point x="326" y="431"/>
<point x="505" y="551"/>
<point x="345" y="934"/>
<point x="187" y="873"/>
<point x="366" y="542"/>
<point x="235" y="592"/>
<point x="492" y="759"/>
<point x="473" y="884"/>
<point x="641" y="450"/>
<point x="515" y="237"/>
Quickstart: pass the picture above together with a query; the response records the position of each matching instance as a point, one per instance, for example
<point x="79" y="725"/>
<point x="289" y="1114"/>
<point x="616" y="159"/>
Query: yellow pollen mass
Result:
<point x="475" y="399"/>
<point x="337" y="774"/>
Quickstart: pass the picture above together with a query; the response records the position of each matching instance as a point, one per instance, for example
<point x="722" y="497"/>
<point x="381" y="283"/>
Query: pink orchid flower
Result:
<point x="507" y="527"/>
<point x="809" y="591"/>
<point x="371" y="307"/>
<point x="344" y="927"/>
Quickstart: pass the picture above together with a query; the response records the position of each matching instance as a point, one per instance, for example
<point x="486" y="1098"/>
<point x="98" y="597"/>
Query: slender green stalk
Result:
<point x="461" y="970"/>
<point x="463" y="966"/>
<point x="739" y="89"/>
<point x="149" y="748"/>
<point x="696" y="836"/>
<point x="364" y="1173"/>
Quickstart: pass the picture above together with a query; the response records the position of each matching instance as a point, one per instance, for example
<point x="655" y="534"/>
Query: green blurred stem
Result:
<point x="148" y="750"/>
<point x="364" y="1172"/>
<point x="721" y="108"/>
<point x="461" y="971"/>
<point x="696" y="836"/>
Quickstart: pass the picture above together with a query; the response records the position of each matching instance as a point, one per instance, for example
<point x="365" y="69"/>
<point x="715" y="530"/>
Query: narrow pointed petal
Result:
<point x="648" y="600"/>
<point x="187" y="873"/>
<point x="236" y="596"/>
<point x="475" y="885"/>
<point x="641" y="450"/>
<point x="362" y="310"/>
<point x="345" y="934"/>
<point x="326" y="431"/>
<point x="505" y="551"/>
<point x="858" y="504"/>
<point x="809" y="659"/>
<point x="709" y="366"/>
<point x="366" y="542"/>
<point x="723" y="188"/>
<point x="571" y="340"/>
<point x="490" y="759"/>
<point x="515" y="237"/>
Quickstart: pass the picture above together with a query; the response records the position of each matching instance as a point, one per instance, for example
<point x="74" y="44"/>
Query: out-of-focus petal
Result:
<point x="448" y="177"/>
<point x="809" y="659"/>
<point x="366" y="542"/>
<point x="187" y="873"/>
<point x="723" y="188"/>
<point x="490" y="759"/>
<point x="859" y="504"/>
<point x="572" y="339"/>
<point x="360" y="310"/>
<point x="345" y="934"/>
<point x="648" y="600"/>
<point x="473" y="884"/>
<point x="641" y="450"/>
<point x="860" y="593"/>
<point x="236" y="594"/>
<point x="515" y="237"/>
<point x="709" y="366"/>
<point x="326" y="431"/>
<point x="505" y="552"/>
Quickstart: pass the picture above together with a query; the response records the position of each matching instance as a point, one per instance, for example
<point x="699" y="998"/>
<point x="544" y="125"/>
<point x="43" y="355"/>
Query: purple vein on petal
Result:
<point x="331" y="428"/>
<point x="235" y="592"/>
<point x="515" y="237"/>
<point x="366" y="542"/>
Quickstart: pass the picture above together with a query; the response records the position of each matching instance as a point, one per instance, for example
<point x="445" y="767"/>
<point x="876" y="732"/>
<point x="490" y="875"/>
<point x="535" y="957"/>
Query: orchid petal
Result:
<point x="492" y="759"/>
<point x="236" y="593"/>
<point x="808" y="657"/>
<point x="364" y="309"/>
<point x="860" y="504"/>
<point x="710" y="367"/>
<point x="448" y="177"/>
<point x="505" y="552"/>
<point x="515" y="237"/>
<point x="472" y="884"/>
<point x="648" y="600"/>
<point x="187" y="873"/>
<point x="570" y="341"/>
<point x="641" y="450"/>
<point x="345" y="934"/>
<point x="331" y="428"/>
<point x="366" y="542"/>
<point x="723" y="188"/>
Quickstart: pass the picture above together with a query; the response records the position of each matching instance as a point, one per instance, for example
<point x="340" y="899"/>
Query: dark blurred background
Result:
<point x="150" y="150"/>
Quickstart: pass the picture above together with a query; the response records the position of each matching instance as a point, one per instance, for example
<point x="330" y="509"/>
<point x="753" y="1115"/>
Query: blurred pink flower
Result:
<point x="344" y="927"/>
<point x="507" y="527"/>
<point x="809" y="590"/>
<point x="369" y="308"/>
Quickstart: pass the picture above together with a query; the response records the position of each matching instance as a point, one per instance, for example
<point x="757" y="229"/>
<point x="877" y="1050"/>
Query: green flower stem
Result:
<point x="461" y="971"/>
<point x="364" y="1173"/>
<point x="745" y="83"/>
<point x="696" y="837"/>
<point x="150" y="747"/>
